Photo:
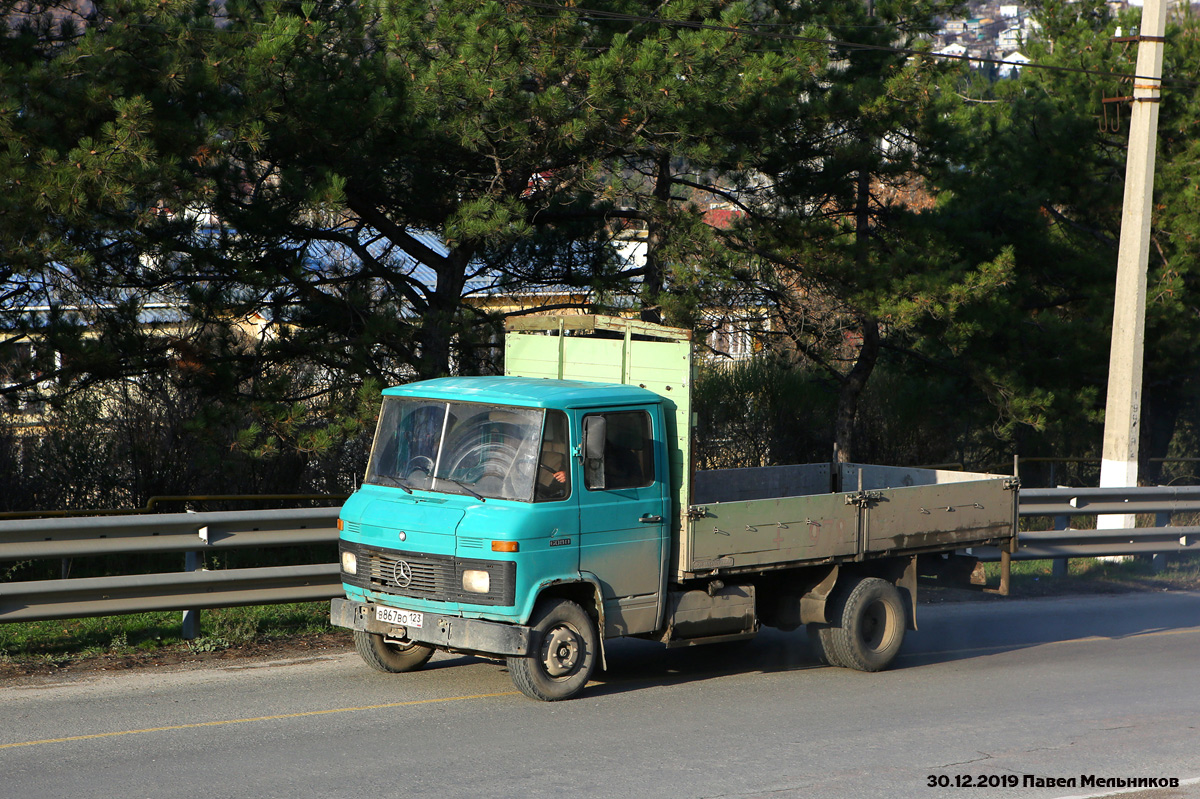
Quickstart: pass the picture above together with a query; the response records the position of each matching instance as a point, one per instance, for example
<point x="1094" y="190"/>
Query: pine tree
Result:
<point x="1043" y="183"/>
<point x="844" y="224"/>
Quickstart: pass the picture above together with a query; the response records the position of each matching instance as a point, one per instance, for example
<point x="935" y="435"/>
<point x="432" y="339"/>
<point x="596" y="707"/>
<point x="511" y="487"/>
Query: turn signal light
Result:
<point x="505" y="546"/>
<point x="340" y="525"/>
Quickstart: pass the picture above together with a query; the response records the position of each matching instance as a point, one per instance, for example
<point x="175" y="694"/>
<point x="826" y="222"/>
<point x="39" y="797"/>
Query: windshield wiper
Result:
<point x="466" y="488"/>
<point x="392" y="481"/>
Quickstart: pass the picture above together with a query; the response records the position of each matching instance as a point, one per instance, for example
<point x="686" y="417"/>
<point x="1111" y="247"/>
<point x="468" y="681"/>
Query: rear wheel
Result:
<point x="383" y="655"/>
<point x="564" y="643"/>
<point x="870" y="626"/>
<point x="820" y="638"/>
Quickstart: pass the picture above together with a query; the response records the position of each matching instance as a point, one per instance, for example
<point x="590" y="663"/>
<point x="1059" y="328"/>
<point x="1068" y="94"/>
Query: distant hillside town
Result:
<point x="995" y="31"/>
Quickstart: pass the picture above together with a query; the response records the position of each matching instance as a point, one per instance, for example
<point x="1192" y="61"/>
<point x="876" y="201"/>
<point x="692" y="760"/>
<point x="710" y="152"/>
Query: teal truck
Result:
<point x="535" y="516"/>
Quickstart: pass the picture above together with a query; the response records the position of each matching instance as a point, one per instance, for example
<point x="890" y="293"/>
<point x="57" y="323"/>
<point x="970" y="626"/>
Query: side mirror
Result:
<point x="594" y="437"/>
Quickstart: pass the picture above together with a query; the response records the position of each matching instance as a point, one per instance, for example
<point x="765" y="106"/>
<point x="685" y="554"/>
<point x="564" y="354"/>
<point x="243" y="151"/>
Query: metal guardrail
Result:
<point x="153" y="504"/>
<point x="1104" y="543"/>
<point x="81" y="536"/>
<point x="195" y="588"/>
<point x="1064" y="503"/>
<point x="188" y="590"/>
<point x="1093" y="501"/>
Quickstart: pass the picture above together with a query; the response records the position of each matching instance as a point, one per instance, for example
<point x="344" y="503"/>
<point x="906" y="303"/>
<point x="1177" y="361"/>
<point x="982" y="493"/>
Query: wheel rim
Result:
<point x="874" y="630"/>
<point x="561" y="651"/>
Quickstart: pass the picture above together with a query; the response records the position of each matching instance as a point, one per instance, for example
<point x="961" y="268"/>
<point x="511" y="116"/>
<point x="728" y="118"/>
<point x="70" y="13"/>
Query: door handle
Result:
<point x="650" y="519"/>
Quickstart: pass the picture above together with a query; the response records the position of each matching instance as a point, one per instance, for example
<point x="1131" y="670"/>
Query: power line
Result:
<point x="615" y="15"/>
<point x="777" y="35"/>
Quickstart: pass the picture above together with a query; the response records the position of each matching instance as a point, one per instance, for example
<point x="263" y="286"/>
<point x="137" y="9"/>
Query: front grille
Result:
<point x="434" y="577"/>
<point x="416" y="576"/>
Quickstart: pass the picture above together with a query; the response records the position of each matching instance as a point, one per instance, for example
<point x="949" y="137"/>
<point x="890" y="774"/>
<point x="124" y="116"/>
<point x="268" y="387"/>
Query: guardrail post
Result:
<point x="1158" y="561"/>
<point x="192" y="562"/>
<point x="1060" y="567"/>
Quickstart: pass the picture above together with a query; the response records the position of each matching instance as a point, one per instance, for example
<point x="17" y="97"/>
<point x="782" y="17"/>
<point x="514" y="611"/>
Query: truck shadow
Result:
<point x="635" y="665"/>
<point x="951" y="632"/>
<point x="961" y="631"/>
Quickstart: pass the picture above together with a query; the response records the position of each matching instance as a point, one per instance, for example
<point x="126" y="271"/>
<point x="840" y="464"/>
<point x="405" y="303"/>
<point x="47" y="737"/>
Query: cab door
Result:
<point x="623" y="513"/>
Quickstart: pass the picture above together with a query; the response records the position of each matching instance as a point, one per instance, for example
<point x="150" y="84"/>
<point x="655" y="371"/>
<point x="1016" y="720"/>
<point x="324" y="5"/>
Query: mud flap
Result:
<point x="813" y="601"/>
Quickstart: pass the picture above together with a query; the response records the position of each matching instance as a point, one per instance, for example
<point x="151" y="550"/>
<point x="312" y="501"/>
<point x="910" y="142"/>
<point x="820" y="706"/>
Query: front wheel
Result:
<point x="869" y="627"/>
<point x="392" y="658"/>
<point x="564" y="643"/>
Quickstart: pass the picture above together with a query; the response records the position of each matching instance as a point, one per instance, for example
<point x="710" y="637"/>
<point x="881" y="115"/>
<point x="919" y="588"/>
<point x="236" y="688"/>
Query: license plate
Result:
<point x="401" y="618"/>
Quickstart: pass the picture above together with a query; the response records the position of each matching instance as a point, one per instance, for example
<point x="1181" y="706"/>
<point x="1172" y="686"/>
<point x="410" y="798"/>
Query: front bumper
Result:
<point x="473" y="636"/>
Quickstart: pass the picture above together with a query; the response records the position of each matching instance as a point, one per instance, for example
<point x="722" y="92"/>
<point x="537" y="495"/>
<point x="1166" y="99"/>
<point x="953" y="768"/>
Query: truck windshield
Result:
<point x="489" y="451"/>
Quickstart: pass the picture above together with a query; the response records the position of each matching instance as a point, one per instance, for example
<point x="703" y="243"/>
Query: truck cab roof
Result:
<point x="533" y="392"/>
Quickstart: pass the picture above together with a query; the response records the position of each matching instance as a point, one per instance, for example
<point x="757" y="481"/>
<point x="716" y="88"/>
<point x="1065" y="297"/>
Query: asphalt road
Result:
<point x="1104" y="687"/>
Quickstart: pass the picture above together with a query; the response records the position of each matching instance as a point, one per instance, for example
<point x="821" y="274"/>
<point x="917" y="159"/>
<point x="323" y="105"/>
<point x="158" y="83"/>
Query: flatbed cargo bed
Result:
<point x="745" y="520"/>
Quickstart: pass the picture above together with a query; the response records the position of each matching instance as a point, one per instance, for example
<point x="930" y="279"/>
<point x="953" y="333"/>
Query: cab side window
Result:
<point x="619" y="450"/>
<point x="554" y="464"/>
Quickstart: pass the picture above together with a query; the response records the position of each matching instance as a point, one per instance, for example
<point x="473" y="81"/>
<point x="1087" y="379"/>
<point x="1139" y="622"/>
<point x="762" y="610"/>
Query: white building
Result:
<point x="1013" y="63"/>
<point x="955" y="50"/>
<point x="1010" y="38"/>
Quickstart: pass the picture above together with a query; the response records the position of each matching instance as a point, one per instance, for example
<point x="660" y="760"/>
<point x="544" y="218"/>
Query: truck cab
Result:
<point x="493" y="504"/>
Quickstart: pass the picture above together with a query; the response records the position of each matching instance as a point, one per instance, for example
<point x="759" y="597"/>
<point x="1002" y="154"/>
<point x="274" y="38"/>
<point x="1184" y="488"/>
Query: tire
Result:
<point x="820" y="638"/>
<point x="391" y="658"/>
<point x="870" y="629"/>
<point x="564" y="643"/>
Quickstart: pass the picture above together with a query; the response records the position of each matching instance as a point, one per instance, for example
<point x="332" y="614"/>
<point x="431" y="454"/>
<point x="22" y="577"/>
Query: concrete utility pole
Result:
<point x="1122" y="415"/>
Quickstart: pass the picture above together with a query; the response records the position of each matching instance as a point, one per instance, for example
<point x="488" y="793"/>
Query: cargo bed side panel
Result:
<point x="931" y="517"/>
<point x="944" y="516"/>
<point x="770" y="531"/>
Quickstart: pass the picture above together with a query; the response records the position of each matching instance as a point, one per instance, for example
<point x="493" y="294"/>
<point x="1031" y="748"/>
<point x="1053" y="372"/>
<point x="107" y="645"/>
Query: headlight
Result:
<point x="349" y="562"/>
<point x="477" y="581"/>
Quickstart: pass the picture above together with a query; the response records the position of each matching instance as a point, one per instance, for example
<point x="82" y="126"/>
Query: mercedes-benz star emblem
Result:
<point x="401" y="574"/>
